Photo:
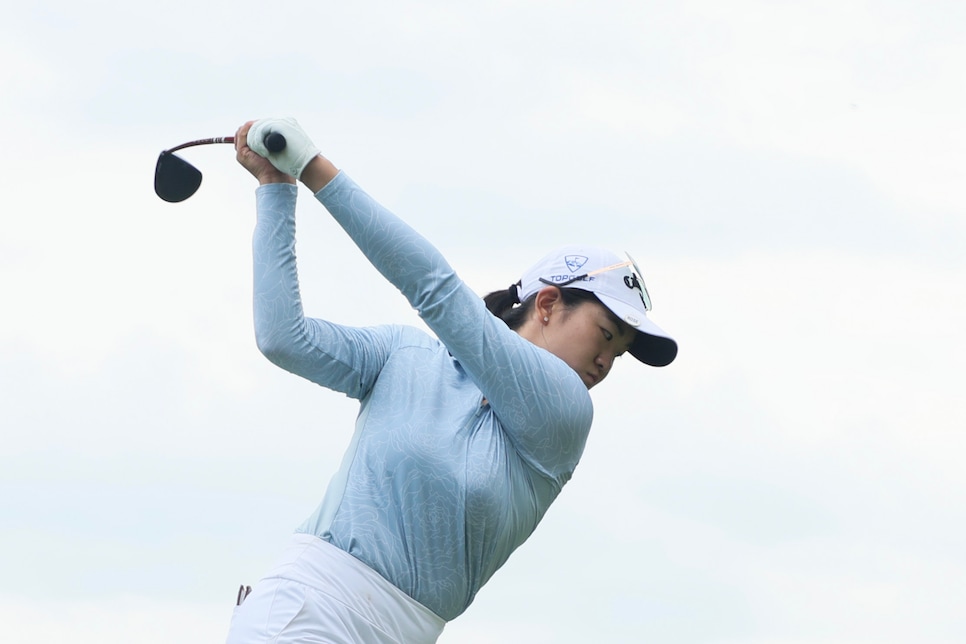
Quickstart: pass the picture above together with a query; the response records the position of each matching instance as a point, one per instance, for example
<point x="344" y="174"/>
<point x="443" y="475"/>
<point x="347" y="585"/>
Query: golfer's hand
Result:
<point x="260" y="167"/>
<point x="298" y="152"/>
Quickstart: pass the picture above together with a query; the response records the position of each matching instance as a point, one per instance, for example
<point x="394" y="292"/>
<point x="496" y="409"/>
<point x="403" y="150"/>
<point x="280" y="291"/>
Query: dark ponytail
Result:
<point x="503" y="304"/>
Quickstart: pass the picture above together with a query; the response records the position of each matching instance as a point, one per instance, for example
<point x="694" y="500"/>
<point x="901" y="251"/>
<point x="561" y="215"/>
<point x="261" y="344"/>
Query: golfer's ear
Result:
<point x="547" y="298"/>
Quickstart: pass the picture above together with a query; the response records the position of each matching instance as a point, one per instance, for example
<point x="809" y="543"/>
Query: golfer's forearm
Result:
<point x="318" y="173"/>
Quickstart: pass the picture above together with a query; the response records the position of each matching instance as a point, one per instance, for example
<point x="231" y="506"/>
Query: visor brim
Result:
<point x="653" y="346"/>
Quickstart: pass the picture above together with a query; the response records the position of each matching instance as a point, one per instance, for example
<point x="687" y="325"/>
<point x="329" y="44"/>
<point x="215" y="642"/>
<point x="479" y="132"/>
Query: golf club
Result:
<point x="175" y="179"/>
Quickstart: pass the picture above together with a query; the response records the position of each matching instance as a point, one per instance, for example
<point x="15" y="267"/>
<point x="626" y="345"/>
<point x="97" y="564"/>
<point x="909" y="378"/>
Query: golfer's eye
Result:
<point x="607" y="334"/>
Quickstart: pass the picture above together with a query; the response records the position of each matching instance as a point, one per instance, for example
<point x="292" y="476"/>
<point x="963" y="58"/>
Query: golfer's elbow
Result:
<point x="275" y="344"/>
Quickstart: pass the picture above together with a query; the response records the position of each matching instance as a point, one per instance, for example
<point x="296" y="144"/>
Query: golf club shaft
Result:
<point x="274" y="141"/>
<point x="217" y="139"/>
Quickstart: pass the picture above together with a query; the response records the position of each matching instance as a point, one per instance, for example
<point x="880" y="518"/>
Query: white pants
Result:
<point x="319" y="594"/>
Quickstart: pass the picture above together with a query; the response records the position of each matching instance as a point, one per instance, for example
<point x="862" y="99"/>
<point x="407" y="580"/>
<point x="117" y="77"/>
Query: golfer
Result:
<point x="462" y="442"/>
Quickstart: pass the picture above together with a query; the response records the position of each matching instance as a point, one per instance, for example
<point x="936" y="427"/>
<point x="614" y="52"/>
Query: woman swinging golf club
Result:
<point x="462" y="443"/>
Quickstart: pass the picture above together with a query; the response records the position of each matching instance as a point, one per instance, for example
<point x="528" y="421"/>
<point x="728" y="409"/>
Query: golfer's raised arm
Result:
<point x="345" y="359"/>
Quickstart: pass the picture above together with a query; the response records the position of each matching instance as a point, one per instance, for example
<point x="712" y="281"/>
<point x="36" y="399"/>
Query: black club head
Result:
<point x="174" y="178"/>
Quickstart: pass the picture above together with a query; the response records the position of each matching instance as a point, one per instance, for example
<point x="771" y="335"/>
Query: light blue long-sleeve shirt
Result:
<point x="462" y="442"/>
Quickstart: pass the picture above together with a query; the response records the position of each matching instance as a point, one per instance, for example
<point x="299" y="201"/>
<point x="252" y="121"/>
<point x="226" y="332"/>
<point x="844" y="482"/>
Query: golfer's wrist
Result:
<point x="274" y="177"/>
<point x="318" y="173"/>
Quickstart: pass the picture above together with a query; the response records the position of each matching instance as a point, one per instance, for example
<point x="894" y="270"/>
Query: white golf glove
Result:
<point x="299" y="149"/>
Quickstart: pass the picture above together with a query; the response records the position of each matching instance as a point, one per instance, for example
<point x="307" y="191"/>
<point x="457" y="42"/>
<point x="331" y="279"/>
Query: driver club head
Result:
<point x="174" y="178"/>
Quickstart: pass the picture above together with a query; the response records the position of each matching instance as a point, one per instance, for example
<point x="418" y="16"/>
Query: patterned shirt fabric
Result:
<point x="462" y="441"/>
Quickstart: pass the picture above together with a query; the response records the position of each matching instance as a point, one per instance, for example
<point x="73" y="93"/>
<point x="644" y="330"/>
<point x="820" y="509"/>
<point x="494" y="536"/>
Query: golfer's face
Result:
<point x="588" y="338"/>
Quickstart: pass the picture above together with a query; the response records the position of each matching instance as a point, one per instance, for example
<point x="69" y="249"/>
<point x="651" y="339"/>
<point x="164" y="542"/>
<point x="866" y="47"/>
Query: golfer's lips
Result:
<point x="592" y="379"/>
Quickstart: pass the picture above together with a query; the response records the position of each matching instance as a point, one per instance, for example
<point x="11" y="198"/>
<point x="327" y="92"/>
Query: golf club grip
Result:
<point x="274" y="142"/>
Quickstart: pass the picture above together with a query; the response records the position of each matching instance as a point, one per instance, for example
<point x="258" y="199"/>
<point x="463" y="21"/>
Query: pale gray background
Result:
<point x="789" y="175"/>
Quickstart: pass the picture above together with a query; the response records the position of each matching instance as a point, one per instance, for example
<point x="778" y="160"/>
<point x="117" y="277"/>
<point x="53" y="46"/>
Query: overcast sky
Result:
<point x="789" y="176"/>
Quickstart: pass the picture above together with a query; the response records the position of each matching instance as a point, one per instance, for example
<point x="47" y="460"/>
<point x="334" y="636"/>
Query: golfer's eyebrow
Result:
<point x="621" y="328"/>
<point x="620" y="324"/>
